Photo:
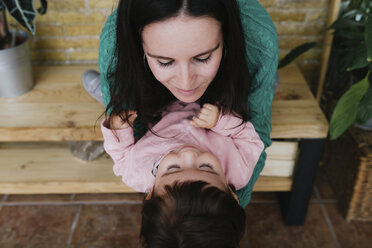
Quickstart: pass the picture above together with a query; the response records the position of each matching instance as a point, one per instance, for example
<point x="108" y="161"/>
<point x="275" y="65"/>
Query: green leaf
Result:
<point x="354" y="4"/>
<point x="368" y="38"/>
<point x="352" y="13"/>
<point x="358" y="57"/>
<point x="353" y="57"/>
<point x="24" y="13"/>
<point x="355" y="34"/>
<point x="346" y="44"/>
<point x="364" y="112"/>
<point x="294" y="53"/>
<point x="345" y="111"/>
<point x="344" y="24"/>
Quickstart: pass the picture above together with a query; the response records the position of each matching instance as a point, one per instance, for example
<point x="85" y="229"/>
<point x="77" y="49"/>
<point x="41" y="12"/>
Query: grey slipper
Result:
<point x="86" y="150"/>
<point x="92" y="85"/>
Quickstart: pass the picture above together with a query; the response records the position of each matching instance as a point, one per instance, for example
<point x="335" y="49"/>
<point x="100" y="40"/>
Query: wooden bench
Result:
<point x="34" y="128"/>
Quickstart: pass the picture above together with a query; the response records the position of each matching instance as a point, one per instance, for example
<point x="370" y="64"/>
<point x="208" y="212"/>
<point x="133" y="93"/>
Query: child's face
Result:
<point x="189" y="162"/>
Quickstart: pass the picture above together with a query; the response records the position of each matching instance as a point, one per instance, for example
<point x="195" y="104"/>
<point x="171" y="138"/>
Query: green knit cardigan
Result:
<point x="262" y="57"/>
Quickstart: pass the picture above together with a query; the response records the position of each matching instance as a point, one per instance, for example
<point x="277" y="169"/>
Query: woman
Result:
<point x="253" y="56"/>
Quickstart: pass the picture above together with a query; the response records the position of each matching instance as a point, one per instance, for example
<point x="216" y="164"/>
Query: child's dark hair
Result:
<point x="192" y="214"/>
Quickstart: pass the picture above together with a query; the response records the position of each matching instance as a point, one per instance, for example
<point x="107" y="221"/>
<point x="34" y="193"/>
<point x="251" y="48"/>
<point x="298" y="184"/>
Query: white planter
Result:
<point x="15" y="69"/>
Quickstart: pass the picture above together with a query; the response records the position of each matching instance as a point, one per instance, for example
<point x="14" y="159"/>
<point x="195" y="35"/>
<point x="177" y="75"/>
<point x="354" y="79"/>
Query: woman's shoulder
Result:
<point x="252" y="10"/>
<point x="255" y="20"/>
<point x="107" y="47"/>
<point x="110" y="26"/>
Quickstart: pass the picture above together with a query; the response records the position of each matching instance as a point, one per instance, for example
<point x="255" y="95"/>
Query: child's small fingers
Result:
<point x="199" y="122"/>
<point x="205" y="111"/>
<point x="117" y="123"/>
<point x="192" y="122"/>
<point x="209" y="106"/>
<point x="203" y="116"/>
<point x="132" y="117"/>
<point x="132" y="112"/>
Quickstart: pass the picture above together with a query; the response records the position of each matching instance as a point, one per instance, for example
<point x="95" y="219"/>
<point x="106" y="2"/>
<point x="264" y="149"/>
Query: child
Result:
<point x="190" y="166"/>
<point x="184" y="142"/>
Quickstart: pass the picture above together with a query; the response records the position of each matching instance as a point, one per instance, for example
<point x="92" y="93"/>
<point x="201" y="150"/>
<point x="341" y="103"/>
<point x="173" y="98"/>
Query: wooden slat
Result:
<point x="270" y="184"/>
<point x="51" y="168"/>
<point x="51" y="134"/>
<point x="291" y="74"/>
<point x="281" y="159"/>
<point x="282" y="150"/>
<point x="293" y="92"/>
<point x="295" y="112"/>
<point x="278" y="168"/>
<point x="298" y="119"/>
<point x="58" y="108"/>
<point x="35" y="168"/>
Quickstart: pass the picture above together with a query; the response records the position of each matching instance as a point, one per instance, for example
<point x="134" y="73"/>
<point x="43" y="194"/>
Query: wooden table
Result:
<point x="34" y="128"/>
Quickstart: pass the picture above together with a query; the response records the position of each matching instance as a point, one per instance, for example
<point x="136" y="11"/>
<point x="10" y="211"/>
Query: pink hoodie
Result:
<point x="238" y="148"/>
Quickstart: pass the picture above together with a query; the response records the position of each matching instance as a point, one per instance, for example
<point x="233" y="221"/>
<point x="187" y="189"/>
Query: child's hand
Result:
<point x="207" y="117"/>
<point x="117" y="123"/>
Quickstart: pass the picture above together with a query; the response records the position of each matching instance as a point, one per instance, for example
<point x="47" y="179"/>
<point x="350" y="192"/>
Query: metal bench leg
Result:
<point x="294" y="203"/>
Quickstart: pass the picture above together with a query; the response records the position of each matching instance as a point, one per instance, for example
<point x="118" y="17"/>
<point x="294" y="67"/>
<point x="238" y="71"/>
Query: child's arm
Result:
<point x="244" y="136"/>
<point x="246" y="142"/>
<point x="119" y="143"/>
<point x="118" y="136"/>
<point x="116" y="123"/>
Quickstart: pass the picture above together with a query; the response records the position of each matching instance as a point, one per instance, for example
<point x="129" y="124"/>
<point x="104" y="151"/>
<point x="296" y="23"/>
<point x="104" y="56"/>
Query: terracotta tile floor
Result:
<point x="112" y="220"/>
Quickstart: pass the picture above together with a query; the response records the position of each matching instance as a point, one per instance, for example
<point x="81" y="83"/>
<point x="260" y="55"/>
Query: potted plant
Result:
<point x="15" y="64"/>
<point x="351" y="64"/>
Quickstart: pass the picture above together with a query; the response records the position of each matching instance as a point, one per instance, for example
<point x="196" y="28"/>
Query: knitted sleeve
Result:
<point x="262" y="58"/>
<point x="106" y="55"/>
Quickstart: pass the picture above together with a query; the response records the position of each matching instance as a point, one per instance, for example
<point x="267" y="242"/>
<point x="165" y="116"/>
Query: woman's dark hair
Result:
<point x="192" y="214"/>
<point x="135" y="87"/>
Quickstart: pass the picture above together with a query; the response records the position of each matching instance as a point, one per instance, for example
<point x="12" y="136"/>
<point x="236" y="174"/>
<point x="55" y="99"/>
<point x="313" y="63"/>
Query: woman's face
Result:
<point x="184" y="54"/>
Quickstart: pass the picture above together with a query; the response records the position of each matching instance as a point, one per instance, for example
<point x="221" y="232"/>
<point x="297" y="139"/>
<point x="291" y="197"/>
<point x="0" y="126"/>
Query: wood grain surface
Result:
<point x="49" y="167"/>
<point x="58" y="108"/>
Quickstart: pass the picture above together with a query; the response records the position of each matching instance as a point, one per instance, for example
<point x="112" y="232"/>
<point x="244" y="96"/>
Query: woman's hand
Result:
<point x="207" y="117"/>
<point x="117" y="123"/>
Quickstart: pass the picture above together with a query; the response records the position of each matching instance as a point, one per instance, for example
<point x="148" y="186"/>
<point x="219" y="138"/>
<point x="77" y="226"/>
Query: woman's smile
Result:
<point x="187" y="92"/>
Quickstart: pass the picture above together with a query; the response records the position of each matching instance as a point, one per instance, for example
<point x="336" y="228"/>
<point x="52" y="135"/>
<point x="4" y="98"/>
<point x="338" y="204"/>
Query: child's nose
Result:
<point x="189" y="157"/>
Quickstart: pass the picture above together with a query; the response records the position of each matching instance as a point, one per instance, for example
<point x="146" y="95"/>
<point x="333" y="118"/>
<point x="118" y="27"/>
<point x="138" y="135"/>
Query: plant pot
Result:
<point x="15" y="68"/>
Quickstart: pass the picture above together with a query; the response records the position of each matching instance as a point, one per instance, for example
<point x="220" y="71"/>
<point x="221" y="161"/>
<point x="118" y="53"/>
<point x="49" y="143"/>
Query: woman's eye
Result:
<point x="204" y="60"/>
<point x="173" y="166"/>
<point x="206" y="166"/>
<point x="162" y="64"/>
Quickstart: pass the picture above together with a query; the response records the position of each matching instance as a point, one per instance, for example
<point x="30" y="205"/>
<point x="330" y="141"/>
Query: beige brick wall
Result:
<point x="299" y="21"/>
<point x="69" y="32"/>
